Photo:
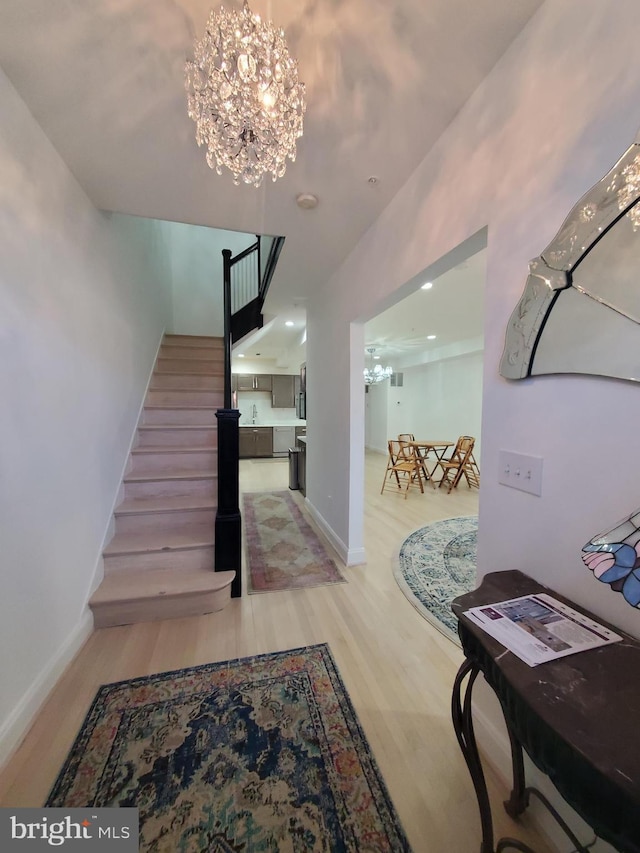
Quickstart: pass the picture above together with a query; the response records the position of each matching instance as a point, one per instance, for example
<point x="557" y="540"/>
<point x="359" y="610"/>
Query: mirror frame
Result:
<point x="550" y="273"/>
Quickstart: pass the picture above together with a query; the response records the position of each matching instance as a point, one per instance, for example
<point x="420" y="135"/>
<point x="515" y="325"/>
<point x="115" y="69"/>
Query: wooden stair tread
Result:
<point x="152" y="541"/>
<point x="173" y="407"/>
<point x="159" y="476"/>
<point x="187" y="427"/>
<point x="134" y="506"/>
<point x="148" y="584"/>
<point x="189" y="388"/>
<point x="211" y="339"/>
<point x="158" y="371"/>
<point x="163" y="448"/>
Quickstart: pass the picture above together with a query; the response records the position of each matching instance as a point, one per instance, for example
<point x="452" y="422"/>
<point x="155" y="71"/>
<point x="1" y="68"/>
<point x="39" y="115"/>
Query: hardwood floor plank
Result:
<point x="397" y="668"/>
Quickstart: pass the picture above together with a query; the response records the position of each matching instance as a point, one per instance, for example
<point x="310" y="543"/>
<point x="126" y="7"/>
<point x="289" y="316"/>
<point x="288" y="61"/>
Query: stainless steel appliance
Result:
<point x="284" y="437"/>
<point x="301" y="405"/>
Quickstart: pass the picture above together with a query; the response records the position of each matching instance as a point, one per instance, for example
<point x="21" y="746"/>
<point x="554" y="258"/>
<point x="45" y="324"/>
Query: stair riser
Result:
<point x="177" y="437"/>
<point x="199" y="382"/>
<point x="185" y="398"/>
<point x="192" y="341"/>
<point x="180" y="352"/>
<point x="189" y="365"/>
<point x="179" y="417"/>
<point x="194" y="558"/>
<point x="161" y="607"/>
<point x="146" y="463"/>
<point x="172" y="489"/>
<point x="178" y="520"/>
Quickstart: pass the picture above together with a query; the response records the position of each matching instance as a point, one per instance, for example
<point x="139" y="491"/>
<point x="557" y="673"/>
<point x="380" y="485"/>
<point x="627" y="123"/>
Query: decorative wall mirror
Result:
<point x="580" y="310"/>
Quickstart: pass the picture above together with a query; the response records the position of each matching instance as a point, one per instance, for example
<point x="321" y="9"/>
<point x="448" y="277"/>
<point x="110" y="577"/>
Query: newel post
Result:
<point x="228" y="535"/>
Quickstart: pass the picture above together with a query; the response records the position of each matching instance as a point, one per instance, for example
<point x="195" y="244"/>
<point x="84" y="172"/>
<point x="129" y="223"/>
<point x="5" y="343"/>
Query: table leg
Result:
<point x="519" y="798"/>
<point x="439" y="457"/>
<point x="463" y="727"/>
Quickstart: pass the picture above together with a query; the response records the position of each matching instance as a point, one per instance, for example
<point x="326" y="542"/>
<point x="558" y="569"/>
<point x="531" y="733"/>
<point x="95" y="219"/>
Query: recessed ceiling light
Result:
<point x="307" y="201"/>
<point x="427" y="286"/>
<point x="431" y="337"/>
<point x="240" y="355"/>
<point x="289" y="323"/>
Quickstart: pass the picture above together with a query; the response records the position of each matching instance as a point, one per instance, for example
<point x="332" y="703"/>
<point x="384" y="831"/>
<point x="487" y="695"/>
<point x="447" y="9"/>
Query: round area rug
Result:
<point x="436" y="564"/>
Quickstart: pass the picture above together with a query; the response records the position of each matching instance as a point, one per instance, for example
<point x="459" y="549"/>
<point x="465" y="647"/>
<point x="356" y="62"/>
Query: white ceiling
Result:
<point x="104" y="78"/>
<point x="452" y="310"/>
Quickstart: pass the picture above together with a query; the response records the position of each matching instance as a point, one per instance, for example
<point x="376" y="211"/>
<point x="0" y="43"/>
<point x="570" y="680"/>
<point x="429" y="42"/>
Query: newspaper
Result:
<point x="539" y="628"/>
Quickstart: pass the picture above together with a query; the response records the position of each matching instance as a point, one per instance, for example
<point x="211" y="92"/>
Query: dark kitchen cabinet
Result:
<point x="282" y="391"/>
<point x="302" y="466"/>
<point x="255" y="441"/>
<point x="251" y="382"/>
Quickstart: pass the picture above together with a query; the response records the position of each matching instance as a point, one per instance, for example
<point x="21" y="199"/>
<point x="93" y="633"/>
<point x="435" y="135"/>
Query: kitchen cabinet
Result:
<point x="302" y="465"/>
<point x="252" y="382"/>
<point x="301" y="430"/>
<point x="282" y="391"/>
<point x="255" y="441"/>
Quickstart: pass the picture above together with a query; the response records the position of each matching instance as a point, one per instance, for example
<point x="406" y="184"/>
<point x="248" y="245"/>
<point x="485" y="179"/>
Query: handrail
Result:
<point x="244" y="289"/>
<point x="270" y="267"/>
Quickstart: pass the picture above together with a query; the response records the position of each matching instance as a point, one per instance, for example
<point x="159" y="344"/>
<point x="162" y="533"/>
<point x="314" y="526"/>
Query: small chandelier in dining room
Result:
<point x="375" y="373"/>
<point x="244" y="96"/>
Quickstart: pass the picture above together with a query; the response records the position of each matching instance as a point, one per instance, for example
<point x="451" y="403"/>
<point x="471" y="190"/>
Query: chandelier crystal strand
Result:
<point x="244" y="96"/>
<point x="375" y="372"/>
<point x="630" y="191"/>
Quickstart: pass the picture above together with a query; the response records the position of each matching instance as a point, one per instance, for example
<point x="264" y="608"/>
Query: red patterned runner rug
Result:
<point x="283" y="552"/>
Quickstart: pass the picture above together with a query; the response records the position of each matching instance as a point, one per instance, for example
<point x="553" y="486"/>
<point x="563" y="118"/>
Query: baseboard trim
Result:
<point x="98" y="571"/>
<point x="19" y="721"/>
<point x="327" y="531"/>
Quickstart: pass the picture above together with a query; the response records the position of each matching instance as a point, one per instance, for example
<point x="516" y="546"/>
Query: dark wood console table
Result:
<point x="578" y="719"/>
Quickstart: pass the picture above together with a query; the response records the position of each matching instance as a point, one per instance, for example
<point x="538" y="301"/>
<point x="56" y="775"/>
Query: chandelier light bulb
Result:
<point x="244" y="95"/>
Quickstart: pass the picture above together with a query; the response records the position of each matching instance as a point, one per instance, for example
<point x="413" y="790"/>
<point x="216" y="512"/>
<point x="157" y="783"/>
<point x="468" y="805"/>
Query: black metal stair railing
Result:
<point x="246" y="279"/>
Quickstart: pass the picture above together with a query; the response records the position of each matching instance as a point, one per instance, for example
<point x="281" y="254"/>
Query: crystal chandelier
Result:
<point x="244" y="96"/>
<point x="375" y="372"/>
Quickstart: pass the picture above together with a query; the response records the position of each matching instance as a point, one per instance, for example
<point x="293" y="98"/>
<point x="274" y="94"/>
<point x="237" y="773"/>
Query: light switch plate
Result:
<point x="520" y="472"/>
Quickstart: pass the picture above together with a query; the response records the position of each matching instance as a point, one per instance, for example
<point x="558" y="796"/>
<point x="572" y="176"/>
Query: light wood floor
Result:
<point x="397" y="668"/>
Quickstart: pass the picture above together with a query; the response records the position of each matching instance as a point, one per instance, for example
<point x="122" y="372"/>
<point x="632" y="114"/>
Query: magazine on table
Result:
<point x="539" y="628"/>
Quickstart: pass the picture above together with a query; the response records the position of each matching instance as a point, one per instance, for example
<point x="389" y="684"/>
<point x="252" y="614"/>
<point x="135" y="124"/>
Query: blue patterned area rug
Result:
<point x="258" y="754"/>
<point x="436" y="564"/>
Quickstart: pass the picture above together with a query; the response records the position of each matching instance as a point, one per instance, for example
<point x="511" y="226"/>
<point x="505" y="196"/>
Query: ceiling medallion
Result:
<point x="244" y="96"/>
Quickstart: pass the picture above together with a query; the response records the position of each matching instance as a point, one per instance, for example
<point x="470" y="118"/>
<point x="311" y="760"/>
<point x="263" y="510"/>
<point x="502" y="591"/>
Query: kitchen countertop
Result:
<point x="276" y="424"/>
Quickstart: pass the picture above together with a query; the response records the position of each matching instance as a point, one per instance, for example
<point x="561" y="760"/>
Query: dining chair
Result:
<point x="409" y="436"/>
<point x="459" y="464"/>
<point x="403" y="465"/>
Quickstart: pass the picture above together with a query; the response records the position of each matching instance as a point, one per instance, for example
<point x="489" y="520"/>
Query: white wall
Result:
<point x="553" y="116"/>
<point x="440" y="400"/>
<point x="84" y="298"/>
<point x="549" y="121"/>
<point x="196" y="270"/>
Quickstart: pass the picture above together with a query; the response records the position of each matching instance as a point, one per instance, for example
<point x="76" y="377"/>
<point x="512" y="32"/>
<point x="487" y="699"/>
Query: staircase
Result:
<point x="159" y="563"/>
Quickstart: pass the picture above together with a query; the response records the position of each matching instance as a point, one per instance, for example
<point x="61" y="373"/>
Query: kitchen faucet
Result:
<point x="254" y="413"/>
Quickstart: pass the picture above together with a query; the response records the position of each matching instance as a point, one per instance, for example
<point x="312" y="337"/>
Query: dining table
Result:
<point x="430" y="449"/>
